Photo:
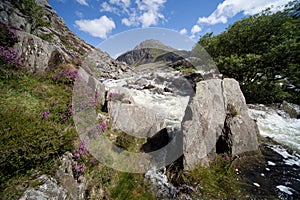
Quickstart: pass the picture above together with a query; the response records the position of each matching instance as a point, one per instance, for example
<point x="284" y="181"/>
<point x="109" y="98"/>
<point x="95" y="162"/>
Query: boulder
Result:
<point x="37" y="54"/>
<point x="74" y="185"/>
<point x="95" y="85"/>
<point x="242" y="129"/>
<point x="203" y="123"/>
<point x="216" y="121"/>
<point x="292" y="109"/>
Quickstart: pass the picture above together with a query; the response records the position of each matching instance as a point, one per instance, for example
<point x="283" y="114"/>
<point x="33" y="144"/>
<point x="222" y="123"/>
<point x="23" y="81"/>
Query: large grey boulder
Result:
<point x="132" y="118"/>
<point x="216" y="121"/>
<point x="37" y="54"/>
<point x="242" y="129"/>
<point x="203" y="122"/>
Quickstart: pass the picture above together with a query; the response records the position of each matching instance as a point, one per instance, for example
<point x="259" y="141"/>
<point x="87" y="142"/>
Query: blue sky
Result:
<point x="96" y="20"/>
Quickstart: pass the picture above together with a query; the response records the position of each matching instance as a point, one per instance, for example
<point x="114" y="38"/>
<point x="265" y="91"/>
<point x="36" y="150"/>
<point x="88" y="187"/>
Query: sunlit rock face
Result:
<point x="216" y="121"/>
<point x="44" y="47"/>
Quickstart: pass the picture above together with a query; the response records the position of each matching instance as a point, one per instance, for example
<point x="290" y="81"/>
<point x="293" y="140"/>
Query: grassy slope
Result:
<point x="28" y="141"/>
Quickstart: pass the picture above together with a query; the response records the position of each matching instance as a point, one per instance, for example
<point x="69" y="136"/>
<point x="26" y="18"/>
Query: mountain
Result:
<point x="153" y="44"/>
<point x="153" y="54"/>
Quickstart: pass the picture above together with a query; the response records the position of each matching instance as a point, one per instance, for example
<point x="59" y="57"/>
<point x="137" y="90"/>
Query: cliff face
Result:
<point x="44" y="41"/>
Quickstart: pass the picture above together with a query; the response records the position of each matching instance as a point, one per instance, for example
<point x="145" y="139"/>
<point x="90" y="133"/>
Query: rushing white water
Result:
<point x="280" y="128"/>
<point x="172" y="104"/>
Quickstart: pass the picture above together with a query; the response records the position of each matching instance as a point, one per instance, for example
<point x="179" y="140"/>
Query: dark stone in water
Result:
<point x="269" y="170"/>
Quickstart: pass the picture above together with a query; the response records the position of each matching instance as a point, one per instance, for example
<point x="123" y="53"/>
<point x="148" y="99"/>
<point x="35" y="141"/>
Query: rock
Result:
<point x="243" y="130"/>
<point x="65" y="185"/>
<point x="44" y="188"/>
<point x="292" y="109"/>
<point x="41" y="47"/>
<point x="131" y="118"/>
<point x="105" y="66"/>
<point x="203" y="123"/>
<point x="37" y="54"/>
<point x="75" y="187"/>
<point x="159" y="181"/>
<point x="96" y="86"/>
<point x="216" y="121"/>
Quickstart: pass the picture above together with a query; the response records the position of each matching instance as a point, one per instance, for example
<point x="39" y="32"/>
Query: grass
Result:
<point x="105" y="182"/>
<point x="29" y="141"/>
<point x="219" y="181"/>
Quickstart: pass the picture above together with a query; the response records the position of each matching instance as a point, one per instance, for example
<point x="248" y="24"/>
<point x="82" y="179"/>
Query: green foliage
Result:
<point x="33" y="13"/>
<point x="47" y="36"/>
<point x="33" y="129"/>
<point x="185" y="70"/>
<point x="263" y="53"/>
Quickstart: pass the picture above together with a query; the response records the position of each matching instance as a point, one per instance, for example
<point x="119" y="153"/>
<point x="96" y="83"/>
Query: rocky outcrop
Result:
<point x="216" y="121"/>
<point x="42" y="44"/>
<point x="46" y="44"/>
<point x="73" y="182"/>
<point x="65" y="185"/>
<point x="46" y="188"/>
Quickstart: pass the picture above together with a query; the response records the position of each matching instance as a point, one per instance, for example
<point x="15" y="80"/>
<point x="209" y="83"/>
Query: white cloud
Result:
<point x="183" y="31"/>
<point x="229" y="8"/>
<point x="138" y="12"/>
<point x="105" y="7"/>
<point x="195" y="29"/>
<point x="125" y="3"/>
<point x="97" y="27"/>
<point x="82" y="2"/>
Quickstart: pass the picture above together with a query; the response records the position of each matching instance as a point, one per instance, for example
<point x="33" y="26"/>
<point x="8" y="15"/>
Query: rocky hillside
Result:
<point x="151" y="51"/>
<point x="44" y="41"/>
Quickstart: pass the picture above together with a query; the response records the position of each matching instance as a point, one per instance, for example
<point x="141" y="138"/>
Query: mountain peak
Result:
<point x="151" y="43"/>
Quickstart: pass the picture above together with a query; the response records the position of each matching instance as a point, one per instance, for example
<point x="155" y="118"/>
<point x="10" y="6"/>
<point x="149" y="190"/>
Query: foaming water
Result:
<point x="280" y="128"/>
